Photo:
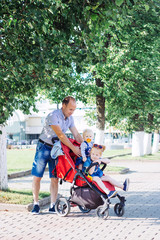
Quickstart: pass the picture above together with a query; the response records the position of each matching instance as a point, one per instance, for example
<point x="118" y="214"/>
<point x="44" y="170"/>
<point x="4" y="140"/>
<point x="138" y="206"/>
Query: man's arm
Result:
<point x="76" y="135"/>
<point x="63" y="138"/>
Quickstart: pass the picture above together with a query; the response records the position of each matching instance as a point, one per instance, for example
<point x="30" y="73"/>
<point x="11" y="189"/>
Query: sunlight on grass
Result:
<point x="19" y="159"/>
<point x="19" y="197"/>
<point x="110" y="153"/>
<point x="22" y="159"/>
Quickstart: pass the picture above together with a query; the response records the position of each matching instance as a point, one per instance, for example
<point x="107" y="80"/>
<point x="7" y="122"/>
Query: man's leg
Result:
<point x="54" y="189"/>
<point x="36" y="188"/>
<point x="54" y="193"/>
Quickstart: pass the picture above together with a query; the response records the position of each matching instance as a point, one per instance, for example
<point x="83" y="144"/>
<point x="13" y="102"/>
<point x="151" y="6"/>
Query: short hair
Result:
<point x="66" y="100"/>
<point x="88" y="130"/>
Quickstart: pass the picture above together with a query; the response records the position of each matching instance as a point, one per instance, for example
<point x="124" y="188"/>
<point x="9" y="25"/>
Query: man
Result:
<point x="56" y="124"/>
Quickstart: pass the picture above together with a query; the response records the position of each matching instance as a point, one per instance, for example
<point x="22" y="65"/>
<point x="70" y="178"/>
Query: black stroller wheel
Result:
<point x="62" y="207"/>
<point x="119" y="210"/>
<point x="84" y="209"/>
<point x="102" y="213"/>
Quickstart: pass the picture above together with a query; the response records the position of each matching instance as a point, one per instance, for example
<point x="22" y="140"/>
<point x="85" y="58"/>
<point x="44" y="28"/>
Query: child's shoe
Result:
<point x="126" y="184"/>
<point x="112" y="194"/>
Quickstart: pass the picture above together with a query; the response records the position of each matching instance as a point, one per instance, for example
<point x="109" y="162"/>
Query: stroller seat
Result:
<point x="85" y="193"/>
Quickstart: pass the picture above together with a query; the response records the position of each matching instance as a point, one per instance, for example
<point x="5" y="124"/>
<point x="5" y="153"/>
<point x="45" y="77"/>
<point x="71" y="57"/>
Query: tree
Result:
<point x="127" y="66"/>
<point x="47" y="45"/>
<point x="36" y="42"/>
<point x="34" y="57"/>
<point x="138" y="85"/>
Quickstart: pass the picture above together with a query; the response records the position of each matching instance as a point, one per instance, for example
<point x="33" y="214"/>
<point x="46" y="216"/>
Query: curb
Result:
<point x="19" y="174"/>
<point x="23" y="208"/>
<point x="22" y="173"/>
<point x="125" y="170"/>
<point x="43" y="202"/>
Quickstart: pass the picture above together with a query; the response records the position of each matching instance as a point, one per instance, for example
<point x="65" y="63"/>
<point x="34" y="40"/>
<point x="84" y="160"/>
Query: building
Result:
<point x="22" y="127"/>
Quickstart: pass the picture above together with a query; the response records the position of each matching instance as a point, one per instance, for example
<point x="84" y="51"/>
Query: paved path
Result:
<point x="140" y="221"/>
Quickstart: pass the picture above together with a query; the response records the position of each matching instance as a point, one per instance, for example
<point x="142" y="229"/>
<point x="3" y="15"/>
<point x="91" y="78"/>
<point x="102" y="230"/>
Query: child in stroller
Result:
<point x="84" y="161"/>
<point x="84" y="193"/>
<point x="97" y="173"/>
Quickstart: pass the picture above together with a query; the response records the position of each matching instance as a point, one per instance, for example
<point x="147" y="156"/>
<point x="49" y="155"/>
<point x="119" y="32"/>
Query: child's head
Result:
<point x="96" y="151"/>
<point x="88" y="135"/>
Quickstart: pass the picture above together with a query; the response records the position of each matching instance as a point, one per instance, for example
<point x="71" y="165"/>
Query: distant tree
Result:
<point x="125" y="60"/>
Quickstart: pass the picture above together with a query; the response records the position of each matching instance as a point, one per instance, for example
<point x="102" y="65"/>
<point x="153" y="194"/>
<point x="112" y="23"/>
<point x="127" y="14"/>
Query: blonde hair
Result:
<point x="87" y="130"/>
<point x="101" y="148"/>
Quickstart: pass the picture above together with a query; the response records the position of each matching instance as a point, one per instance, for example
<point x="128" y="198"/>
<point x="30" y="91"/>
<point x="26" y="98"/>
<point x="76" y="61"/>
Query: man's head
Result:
<point x="68" y="106"/>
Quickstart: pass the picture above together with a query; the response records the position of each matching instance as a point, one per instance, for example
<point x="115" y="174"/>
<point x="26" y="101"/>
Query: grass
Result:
<point x="110" y="153"/>
<point x="150" y="157"/>
<point x="19" y="197"/>
<point x="114" y="169"/>
<point x="22" y="159"/>
<point x="19" y="159"/>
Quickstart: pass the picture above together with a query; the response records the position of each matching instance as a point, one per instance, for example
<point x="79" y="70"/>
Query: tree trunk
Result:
<point x="137" y="144"/>
<point x="147" y="143"/>
<point x="138" y="138"/>
<point x="100" y="105"/>
<point x="156" y="139"/>
<point x="3" y="160"/>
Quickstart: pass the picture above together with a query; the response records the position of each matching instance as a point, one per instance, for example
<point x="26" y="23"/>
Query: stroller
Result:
<point x="84" y="192"/>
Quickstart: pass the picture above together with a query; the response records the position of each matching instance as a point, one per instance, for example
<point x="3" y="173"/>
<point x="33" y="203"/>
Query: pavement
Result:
<point x="141" y="219"/>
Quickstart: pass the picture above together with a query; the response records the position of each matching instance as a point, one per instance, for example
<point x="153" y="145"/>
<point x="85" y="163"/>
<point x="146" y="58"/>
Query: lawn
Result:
<point x="22" y="159"/>
<point x="19" y="159"/>
<point x="19" y="197"/>
<point x="150" y="157"/>
<point x="111" y="153"/>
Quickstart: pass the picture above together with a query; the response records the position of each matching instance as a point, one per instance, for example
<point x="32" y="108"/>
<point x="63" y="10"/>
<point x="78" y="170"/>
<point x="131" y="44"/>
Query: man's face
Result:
<point x="69" y="109"/>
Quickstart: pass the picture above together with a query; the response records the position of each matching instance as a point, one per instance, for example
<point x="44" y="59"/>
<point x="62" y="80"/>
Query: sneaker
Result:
<point x="52" y="210"/>
<point x="36" y="209"/>
<point x="126" y="184"/>
<point x="112" y="194"/>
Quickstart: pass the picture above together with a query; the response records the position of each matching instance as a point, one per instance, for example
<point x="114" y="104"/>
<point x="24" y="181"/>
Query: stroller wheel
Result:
<point x="119" y="210"/>
<point x="102" y="212"/>
<point x="62" y="207"/>
<point x="84" y="210"/>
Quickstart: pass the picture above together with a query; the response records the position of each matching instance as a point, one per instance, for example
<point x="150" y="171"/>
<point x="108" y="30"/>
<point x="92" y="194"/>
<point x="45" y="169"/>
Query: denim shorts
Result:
<point x="42" y="157"/>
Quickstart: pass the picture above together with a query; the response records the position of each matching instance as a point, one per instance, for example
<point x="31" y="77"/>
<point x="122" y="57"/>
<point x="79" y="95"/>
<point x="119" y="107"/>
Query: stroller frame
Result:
<point x="63" y="204"/>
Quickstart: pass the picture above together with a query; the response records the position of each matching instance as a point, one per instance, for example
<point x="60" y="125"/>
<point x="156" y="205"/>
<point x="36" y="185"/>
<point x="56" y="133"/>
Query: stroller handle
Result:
<point x="96" y="164"/>
<point x="91" y="165"/>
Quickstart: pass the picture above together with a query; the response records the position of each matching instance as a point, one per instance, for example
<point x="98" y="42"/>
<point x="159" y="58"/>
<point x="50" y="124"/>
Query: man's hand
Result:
<point x="76" y="150"/>
<point x="84" y="159"/>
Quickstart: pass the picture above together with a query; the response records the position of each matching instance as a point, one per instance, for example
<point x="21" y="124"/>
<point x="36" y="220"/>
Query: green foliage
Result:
<point x="126" y="57"/>
<point x="48" y="46"/>
<point x="136" y="73"/>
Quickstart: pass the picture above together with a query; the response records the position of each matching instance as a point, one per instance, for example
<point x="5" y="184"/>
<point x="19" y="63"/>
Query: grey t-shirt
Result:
<point x="55" y="118"/>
